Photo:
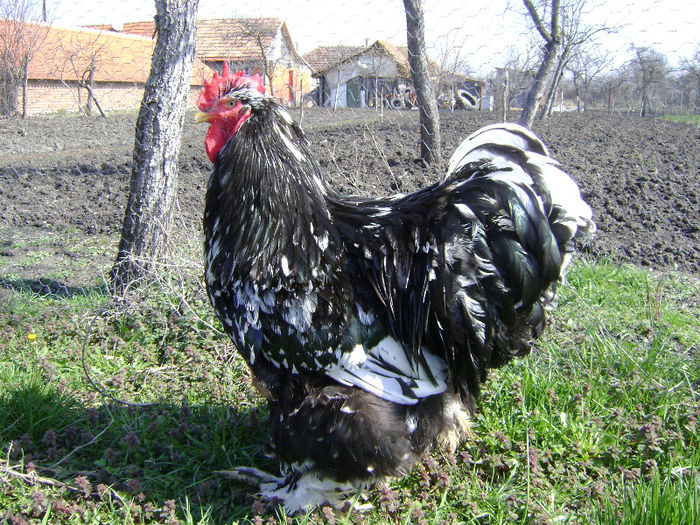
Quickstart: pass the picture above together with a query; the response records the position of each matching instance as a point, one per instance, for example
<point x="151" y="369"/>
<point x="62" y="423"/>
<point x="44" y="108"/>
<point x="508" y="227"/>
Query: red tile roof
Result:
<point x="233" y="39"/>
<point x="65" y="54"/>
<point x="102" y="27"/>
<point x="146" y="28"/>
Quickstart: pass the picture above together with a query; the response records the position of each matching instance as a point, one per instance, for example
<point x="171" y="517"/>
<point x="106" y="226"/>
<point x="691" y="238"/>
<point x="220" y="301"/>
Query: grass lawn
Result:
<point x="684" y="119"/>
<point x="597" y="425"/>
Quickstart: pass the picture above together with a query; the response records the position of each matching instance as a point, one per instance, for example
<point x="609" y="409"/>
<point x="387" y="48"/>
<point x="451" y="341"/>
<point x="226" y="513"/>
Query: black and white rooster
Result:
<point x="369" y="324"/>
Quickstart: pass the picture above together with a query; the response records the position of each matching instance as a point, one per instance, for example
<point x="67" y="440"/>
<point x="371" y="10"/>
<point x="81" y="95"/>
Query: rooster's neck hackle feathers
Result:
<point x="267" y="186"/>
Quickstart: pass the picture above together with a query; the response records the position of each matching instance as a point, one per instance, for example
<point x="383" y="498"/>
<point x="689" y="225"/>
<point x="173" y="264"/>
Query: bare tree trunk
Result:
<point x="427" y="104"/>
<point x="610" y="98"/>
<point x="337" y="90"/>
<point x="580" y="93"/>
<point x="645" y="106"/>
<point x="551" y="49"/>
<point x="551" y="96"/>
<point x="91" y="96"/>
<point x="157" y="143"/>
<point x="504" y="96"/>
<point x="90" y="86"/>
<point x="25" y="81"/>
<point x="268" y="74"/>
<point x="561" y="100"/>
<point x="75" y="98"/>
<point x="554" y="86"/>
<point x="534" y="97"/>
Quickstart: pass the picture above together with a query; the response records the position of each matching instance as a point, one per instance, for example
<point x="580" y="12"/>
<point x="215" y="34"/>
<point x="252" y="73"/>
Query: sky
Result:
<point x="484" y="33"/>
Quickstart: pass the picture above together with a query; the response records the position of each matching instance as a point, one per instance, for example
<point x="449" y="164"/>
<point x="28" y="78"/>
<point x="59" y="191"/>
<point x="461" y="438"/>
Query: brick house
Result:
<point x="115" y="65"/>
<point x="255" y="45"/>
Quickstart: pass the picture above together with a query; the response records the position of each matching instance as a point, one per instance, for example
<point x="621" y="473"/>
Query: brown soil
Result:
<point x="641" y="176"/>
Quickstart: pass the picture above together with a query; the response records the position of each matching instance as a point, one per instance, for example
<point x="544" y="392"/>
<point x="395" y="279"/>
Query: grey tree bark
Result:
<point x="554" y="85"/>
<point x="503" y="110"/>
<point x="534" y="97"/>
<point x="157" y="143"/>
<point x="552" y="40"/>
<point x="430" y="150"/>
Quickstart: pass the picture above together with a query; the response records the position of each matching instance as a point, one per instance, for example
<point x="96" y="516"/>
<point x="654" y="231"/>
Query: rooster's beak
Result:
<point x="201" y="116"/>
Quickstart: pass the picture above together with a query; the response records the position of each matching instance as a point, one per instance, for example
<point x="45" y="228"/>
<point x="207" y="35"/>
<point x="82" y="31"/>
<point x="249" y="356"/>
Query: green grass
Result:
<point x="684" y="119"/>
<point x="66" y="256"/>
<point x="671" y="500"/>
<point x="597" y="425"/>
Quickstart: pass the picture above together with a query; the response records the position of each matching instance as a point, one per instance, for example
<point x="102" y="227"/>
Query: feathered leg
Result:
<point x="333" y="440"/>
<point x="297" y="491"/>
<point x="457" y="423"/>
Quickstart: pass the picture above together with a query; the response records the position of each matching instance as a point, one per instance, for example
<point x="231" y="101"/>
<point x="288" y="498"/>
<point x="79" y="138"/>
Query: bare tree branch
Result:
<point x="537" y="20"/>
<point x="84" y="61"/>
<point x="555" y="20"/>
<point x="551" y="50"/>
<point x="585" y="65"/>
<point x="253" y="30"/>
<point x="650" y="68"/>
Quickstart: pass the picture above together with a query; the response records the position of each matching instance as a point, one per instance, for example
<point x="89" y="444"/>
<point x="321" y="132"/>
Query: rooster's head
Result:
<point x="226" y="102"/>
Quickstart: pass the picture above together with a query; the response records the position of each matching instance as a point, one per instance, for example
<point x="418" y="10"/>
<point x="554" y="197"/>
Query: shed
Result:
<point x="354" y="76"/>
<point x="365" y="76"/>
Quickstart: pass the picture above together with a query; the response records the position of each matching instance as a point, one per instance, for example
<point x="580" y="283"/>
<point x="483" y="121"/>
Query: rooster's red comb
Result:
<point x="220" y="85"/>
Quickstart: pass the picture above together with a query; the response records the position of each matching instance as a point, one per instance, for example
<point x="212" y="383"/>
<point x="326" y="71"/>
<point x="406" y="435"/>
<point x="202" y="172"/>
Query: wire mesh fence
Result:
<point x="613" y="57"/>
<point x="625" y="60"/>
<point x="619" y="110"/>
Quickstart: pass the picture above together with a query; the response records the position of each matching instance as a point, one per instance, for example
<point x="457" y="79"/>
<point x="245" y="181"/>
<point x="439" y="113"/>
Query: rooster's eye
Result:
<point x="231" y="103"/>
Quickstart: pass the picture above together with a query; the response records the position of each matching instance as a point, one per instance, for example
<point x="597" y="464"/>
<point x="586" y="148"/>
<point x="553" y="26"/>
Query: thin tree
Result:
<point x="575" y="33"/>
<point x="650" y="68"/>
<point x="453" y="65"/>
<point x="157" y="143"/>
<point x="84" y="60"/>
<point x="19" y="39"/>
<point x="552" y="37"/>
<point x="584" y="66"/>
<point x="612" y="84"/>
<point x="514" y="79"/>
<point x="256" y="31"/>
<point x="427" y="104"/>
<point x="504" y="86"/>
<point x="690" y="80"/>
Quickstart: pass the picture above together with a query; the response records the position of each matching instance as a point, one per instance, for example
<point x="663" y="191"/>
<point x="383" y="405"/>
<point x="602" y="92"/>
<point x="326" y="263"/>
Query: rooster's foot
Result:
<point x="299" y="492"/>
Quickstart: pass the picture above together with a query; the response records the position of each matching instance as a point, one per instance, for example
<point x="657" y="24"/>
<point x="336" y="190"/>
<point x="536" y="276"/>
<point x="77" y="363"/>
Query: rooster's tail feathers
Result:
<point x="517" y="151"/>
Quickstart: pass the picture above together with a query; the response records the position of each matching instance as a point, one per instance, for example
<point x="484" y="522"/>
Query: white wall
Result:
<point x="367" y="65"/>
